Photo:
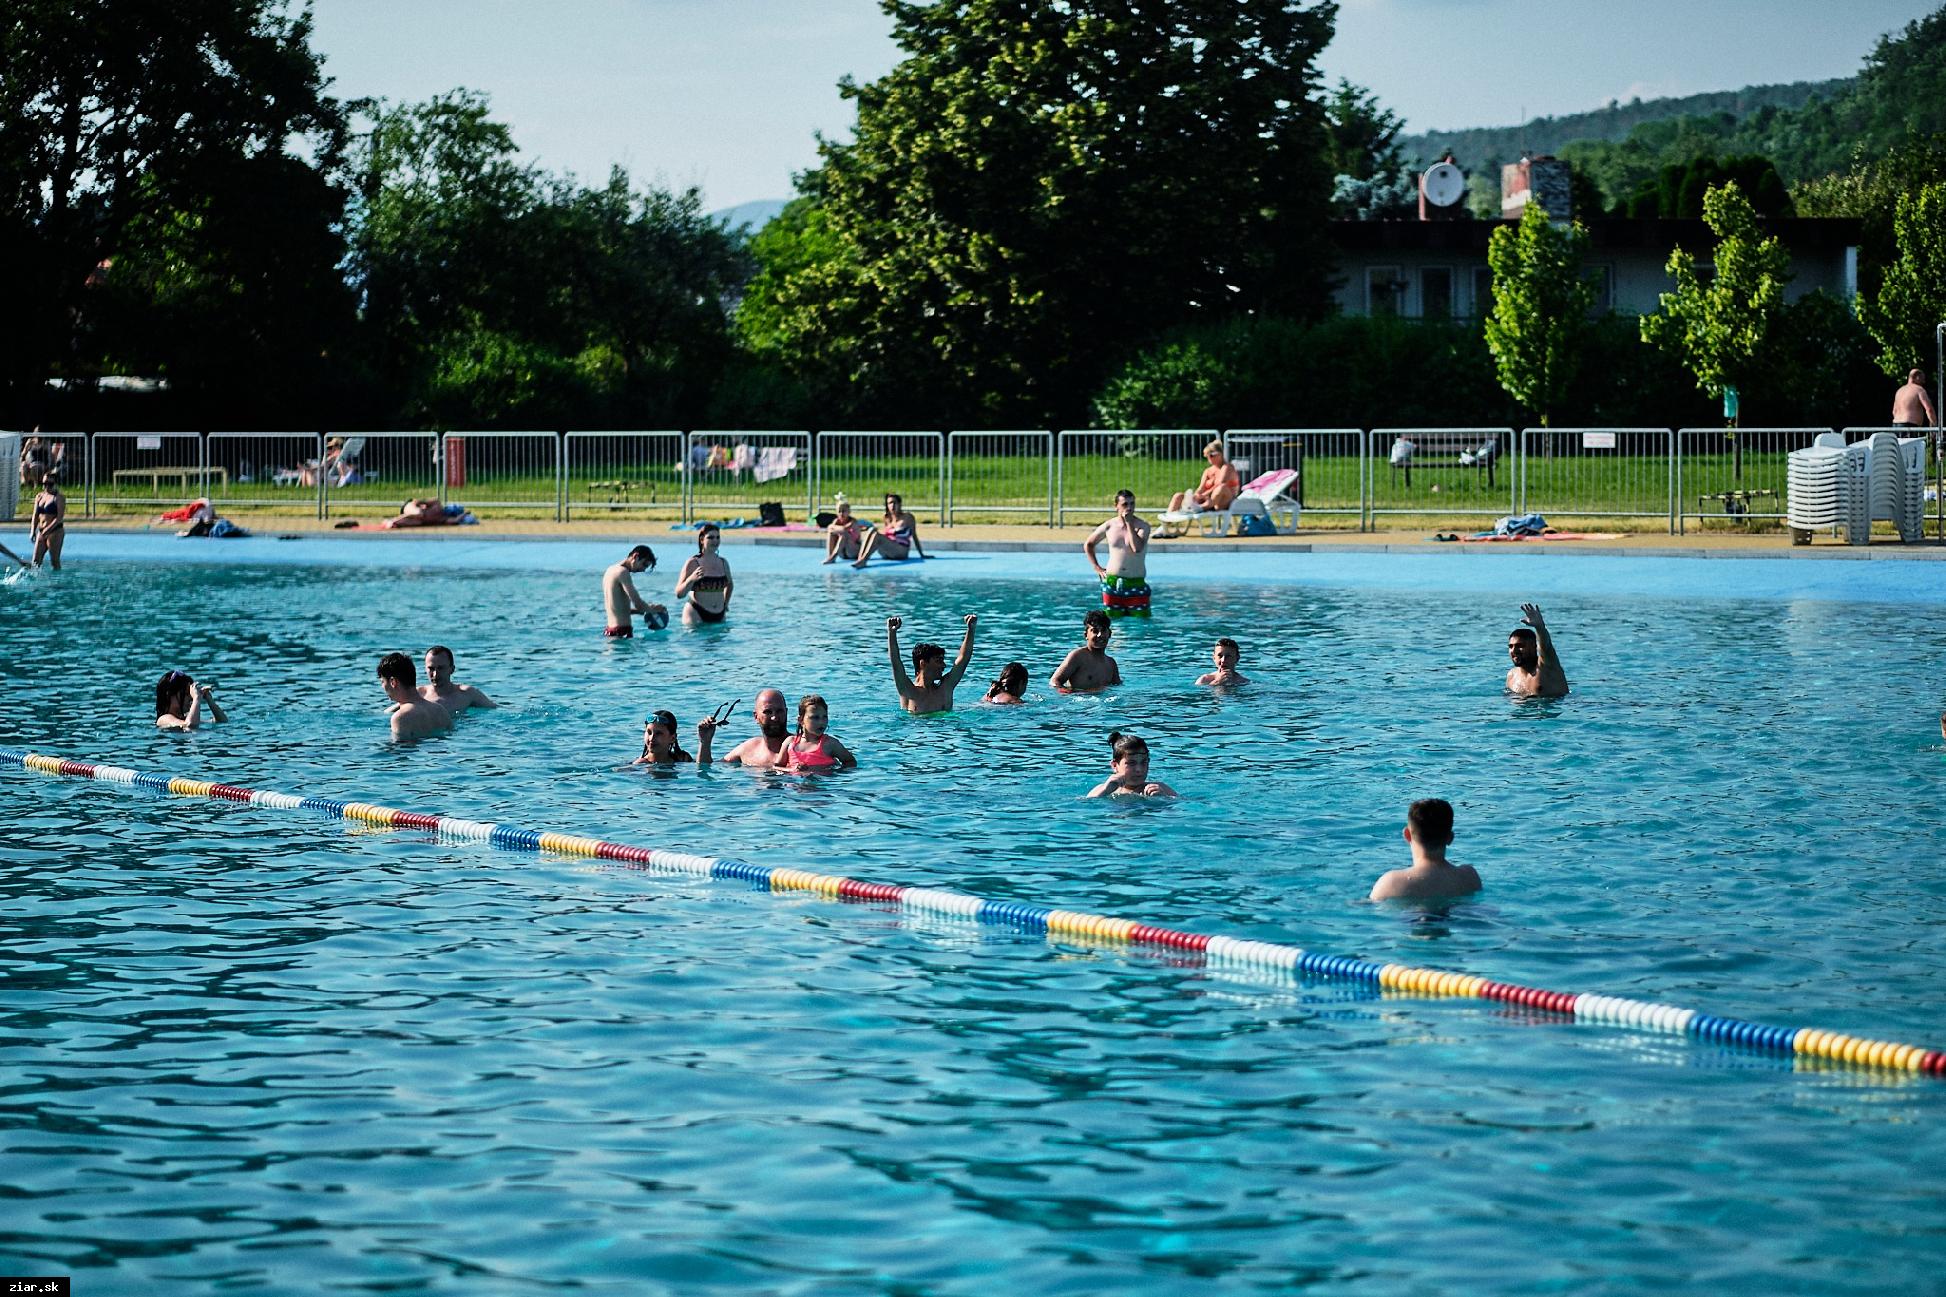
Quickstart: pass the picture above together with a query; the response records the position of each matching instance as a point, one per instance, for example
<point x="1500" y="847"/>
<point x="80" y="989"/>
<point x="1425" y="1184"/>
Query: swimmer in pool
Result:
<point x="759" y="752"/>
<point x="811" y="750"/>
<point x="1536" y="670"/>
<point x="930" y="686"/>
<point x="1009" y="688"/>
<point x="440" y="687"/>
<point x="619" y="596"/>
<point x="705" y="579"/>
<point x="1429" y="831"/>
<point x="1088" y="669"/>
<point x="412" y="716"/>
<point x="1130" y="767"/>
<point x="1225" y="656"/>
<point x="182" y="704"/>
<point x="660" y="744"/>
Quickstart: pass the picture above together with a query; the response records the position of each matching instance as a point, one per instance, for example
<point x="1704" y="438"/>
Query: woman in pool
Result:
<point x="182" y="704"/>
<point x="896" y="538"/>
<point x="50" y="524"/>
<point x="660" y="744"/>
<point x="1131" y="770"/>
<point x="1009" y="687"/>
<point x="811" y="749"/>
<point x="705" y="579"/>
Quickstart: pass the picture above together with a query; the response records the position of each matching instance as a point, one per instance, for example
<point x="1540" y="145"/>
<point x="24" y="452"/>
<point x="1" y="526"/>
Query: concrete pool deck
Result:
<point x="1042" y="539"/>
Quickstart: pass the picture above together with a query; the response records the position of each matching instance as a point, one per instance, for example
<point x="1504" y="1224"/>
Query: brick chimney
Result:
<point x="1542" y="180"/>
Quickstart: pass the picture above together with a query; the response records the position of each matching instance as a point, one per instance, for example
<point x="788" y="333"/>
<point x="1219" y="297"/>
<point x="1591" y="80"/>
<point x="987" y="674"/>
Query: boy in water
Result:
<point x="930" y="686"/>
<point x="413" y="717"/>
<point x="1429" y="831"/>
<point x="1088" y="669"/>
<point x="619" y="597"/>
<point x="1225" y="656"/>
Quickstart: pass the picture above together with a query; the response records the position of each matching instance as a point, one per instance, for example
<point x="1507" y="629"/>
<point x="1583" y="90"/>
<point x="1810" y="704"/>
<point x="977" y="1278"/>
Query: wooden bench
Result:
<point x="1443" y="450"/>
<point x="618" y="491"/>
<point x="154" y="476"/>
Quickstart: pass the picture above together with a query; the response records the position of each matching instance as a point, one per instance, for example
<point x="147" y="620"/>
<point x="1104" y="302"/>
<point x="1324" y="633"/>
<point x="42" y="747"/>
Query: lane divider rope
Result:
<point x="1216" y="950"/>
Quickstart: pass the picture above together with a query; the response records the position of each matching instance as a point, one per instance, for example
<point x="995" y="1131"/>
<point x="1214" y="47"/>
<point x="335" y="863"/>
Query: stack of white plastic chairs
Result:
<point x="1883" y="479"/>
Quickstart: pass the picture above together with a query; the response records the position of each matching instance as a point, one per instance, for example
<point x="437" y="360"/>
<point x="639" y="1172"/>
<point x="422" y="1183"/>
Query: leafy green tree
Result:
<point x="1361" y="134"/>
<point x="1911" y="297"/>
<point x="111" y="114"/>
<point x="1717" y="325"/>
<point x="1036" y="190"/>
<point x="1541" y="300"/>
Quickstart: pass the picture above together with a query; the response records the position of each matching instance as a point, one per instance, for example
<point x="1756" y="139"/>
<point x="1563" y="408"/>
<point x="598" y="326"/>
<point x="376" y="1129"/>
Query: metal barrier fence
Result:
<point x="132" y="469"/>
<point x="1598" y="472"/>
<point x="622" y="472"/>
<point x="1734" y="475"/>
<point x="39" y="453"/>
<point x="1330" y="463"/>
<point x="379" y="471"/>
<point x="1155" y="463"/>
<point x="865" y="467"/>
<point x="1000" y="474"/>
<point x="502" y="470"/>
<point x="264" y="470"/>
<point x="1462" y="472"/>
<point x="1707" y="476"/>
<point x="723" y="471"/>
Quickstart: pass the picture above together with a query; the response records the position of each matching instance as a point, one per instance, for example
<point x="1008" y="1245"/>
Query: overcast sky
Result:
<point x="728" y="95"/>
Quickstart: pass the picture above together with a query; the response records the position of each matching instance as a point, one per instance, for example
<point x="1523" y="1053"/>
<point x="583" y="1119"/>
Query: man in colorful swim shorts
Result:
<point x="618" y="593"/>
<point x="1124" y="582"/>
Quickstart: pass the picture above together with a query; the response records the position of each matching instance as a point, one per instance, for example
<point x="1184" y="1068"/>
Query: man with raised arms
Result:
<point x="930" y="686"/>
<point x="761" y="751"/>
<point x="1428" y="831"/>
<point x="440" y="688"/>
<point x="413" y="717"/>
<point x="1124" y="582"/>
<point x="618" y="593"/>
<point x="1536" y="670"/>
<point x="1088" y="668"/>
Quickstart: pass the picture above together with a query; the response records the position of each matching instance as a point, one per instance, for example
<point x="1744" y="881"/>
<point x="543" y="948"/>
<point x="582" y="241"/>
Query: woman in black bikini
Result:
<point x="50" y="520"/>
<point x="705" y="580"/>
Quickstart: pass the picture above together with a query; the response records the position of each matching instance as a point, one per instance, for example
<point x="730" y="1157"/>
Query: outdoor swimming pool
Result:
<point x="252" y="1049"/>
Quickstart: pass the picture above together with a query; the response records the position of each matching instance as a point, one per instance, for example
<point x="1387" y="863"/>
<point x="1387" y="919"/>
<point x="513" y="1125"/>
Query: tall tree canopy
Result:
<point x="1038" y="188"/>
<point x="114" y="114"/>
<point x="1541" y="300"/>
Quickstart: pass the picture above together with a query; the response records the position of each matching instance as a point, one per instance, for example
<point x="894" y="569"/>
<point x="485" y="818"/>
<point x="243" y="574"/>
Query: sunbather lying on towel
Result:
<point x="421" y="513"/>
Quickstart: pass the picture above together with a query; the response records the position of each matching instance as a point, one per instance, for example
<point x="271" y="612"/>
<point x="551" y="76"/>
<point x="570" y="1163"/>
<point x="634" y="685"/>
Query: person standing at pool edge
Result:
<point x="1536" y="670"/>
<point x="1429" y="831"/>
<point x="439" y="687"/>
<point x="930" y="686"/>
<point x="412" y="716"/>
<point x="618" y="593"/>
<point x="1124" y="582"/>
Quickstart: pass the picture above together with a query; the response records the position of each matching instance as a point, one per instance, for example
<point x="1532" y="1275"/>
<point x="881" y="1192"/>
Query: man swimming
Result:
<point x="618" y="593"/>
<point x="762" y="750"/>
<point x="1429" y="831"/>
<point x="1088" y="668"/>
<point x="1224" y="656"/>
<point x="1124" y="582"/>
<point x="1536" y="670"/>
<point x="440" y="688"/>
<point x="930" y="686"/>
<point x="412" y="716"/>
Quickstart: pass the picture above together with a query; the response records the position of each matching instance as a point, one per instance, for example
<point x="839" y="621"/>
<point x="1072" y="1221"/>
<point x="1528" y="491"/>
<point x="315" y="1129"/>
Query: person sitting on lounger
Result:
<point x="1218" y="488"/>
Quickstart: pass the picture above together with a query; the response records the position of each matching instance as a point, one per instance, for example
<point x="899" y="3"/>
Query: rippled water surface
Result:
<point x="249" y="1050"/>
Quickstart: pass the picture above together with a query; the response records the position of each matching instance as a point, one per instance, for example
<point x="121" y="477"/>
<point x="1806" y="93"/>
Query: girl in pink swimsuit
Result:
<point x="811" y="749"/>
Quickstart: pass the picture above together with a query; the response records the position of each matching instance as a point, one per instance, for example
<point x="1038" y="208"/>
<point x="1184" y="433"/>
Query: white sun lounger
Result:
<point x="1263" y="496"/>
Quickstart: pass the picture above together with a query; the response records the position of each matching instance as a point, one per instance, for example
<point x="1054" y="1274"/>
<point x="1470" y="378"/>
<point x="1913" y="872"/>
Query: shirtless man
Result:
<point x="930" y="686"/>
<point x="1088" y="669"/>
<point x="1428" y="831"/>
<point x="1219" y="486"/>
<point x="413" y="717"/>
<point x="440" y="688"/>
<point x="705" y="580"/>
<point x="618" y="593"/>
<point x="1536" y="670"/>
<point x="1124" y="582"/>
<point x="1911" y="406"/>
<point x="1224" y="657"/>
<point x="761" y="751"/>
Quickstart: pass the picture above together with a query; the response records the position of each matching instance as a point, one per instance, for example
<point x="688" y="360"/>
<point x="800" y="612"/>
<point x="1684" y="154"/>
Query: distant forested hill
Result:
<point x="1480" y="145"/>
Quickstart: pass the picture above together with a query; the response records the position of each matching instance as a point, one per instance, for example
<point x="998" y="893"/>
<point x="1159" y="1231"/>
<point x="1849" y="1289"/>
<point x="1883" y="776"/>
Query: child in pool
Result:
<point x="660" y="744"/>
<point x="1225" y="656"/>
<point x="811" y="749"/>
<point x="1131" y="770"/>
<point x="1428" y="831"/>
<point x="1009" y="687"/>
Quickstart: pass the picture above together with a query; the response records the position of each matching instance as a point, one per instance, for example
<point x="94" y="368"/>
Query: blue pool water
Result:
<point x="266" y="1052"/>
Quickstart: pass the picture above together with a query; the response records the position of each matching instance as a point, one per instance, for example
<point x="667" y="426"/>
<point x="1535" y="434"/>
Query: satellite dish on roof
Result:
<point x="1442" y="184"/>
